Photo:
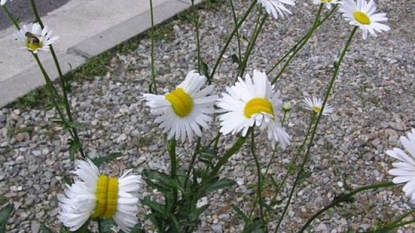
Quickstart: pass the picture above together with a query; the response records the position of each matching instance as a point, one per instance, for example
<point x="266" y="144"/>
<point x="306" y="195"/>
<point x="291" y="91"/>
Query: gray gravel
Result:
<point x="373" y="98"/>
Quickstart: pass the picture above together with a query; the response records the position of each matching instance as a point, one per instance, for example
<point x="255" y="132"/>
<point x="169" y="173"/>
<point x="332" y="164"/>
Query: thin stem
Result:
<point x="259" y="182"/>
<point x="99" y="225"/>
<point x="344" y="198"/>
<point x="171" y="145"/>
<point x="333" y="79"/>
<point x="153" y="85"/>
<point x="251" y="45"/>
<point x="16" y="24"/>
<point x="195" y="153"/>
<point x="300" y="44"/>
<point x="197" y="26"/>
<point x="235" y="20"/>
<point x="232" y="34"/>
<point x="62" y="82"/>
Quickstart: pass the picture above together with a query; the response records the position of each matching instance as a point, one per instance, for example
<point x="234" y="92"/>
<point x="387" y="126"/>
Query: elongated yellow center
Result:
<point x="181" y="102"/>
<point x="316" y="109"/>
<point x="107" y="196"/>
<point x="258" y="105"/>
<point x="361" y="17"/>
<point x="326" y="1"/>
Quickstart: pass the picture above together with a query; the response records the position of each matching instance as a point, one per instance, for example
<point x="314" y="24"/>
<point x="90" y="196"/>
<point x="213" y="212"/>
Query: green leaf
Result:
<point x="5" y="215"/>
<point x="106" y="225"/>
<point x="107" y="158"/>
<point x="304" y="175"/>
<point x="240" y="213"/>
<point x="217" y="184"/>
<point x="235" y="59"/>
<point x="74" y="147"/>
<point x="138" y="228"/>
<point x="255" y="227"/>
<point x="154" y="206"/>
<point x="205" y="70"/>
<point x="45" y="229"/>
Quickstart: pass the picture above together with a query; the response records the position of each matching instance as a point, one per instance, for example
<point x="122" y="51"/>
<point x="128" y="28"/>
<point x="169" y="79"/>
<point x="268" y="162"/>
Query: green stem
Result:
<point x="99" y="225"/>
<point x="297" y="47"/>
<point x="195" y="153"/>
<point x="197" y="26"/>
<point x="62" y="82"/>
<point x="251" y="45"/>
<point x="171" y="145"/>
<point x="235" y="20"/>
<point x="228" y="41"/>
<point x="344" y="198"/>
<point x="11" y="17"/>
<point x="52" y="90"/>
<point x="153" y="85"/>
<point x="259" y="182"/>
<point x="333" y="79"/>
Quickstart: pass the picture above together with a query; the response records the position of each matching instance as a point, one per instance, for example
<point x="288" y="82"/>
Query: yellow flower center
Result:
<point x="258" y="105"/>
<point x="107" y="196"/>
<point x="316" y="109"/>
<point x="361" y="17"/>
<point x="181" y="102"/>
<point x="33" y="42"/>
<point x="326" y="1"/>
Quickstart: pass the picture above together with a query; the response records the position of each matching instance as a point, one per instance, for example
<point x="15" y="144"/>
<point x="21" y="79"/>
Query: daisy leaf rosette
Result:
<point x="315" y="104"/>
<point x="362" y="14"/>
<point x="34" y="38"/>
<point x="253" y="102"/>
<point x="404" y="169"/>
<point x="276" y="8"/>
<point x="327" y="3"/>
<point x="186" y="110"/>
<point x="93" y="195"/>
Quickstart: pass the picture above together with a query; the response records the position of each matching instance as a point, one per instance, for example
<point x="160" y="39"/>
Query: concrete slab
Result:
<point x="86" y="29"/>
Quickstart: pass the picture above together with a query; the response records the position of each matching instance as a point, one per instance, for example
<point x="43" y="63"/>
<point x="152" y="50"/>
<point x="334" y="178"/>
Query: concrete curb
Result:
<point x="18" y="85"/>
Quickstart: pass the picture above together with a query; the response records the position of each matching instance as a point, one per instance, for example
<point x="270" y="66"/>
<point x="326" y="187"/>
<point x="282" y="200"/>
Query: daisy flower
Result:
<point x="315" y="105"/>
<point x="327" y="3"/>
<point x="404" y="169"/>
<point x="276" y="7"/>
<point x="253" y="103"/>
<point x="362" y="14"/>
<point x="34" y="38"/>
<point x="184" y="111"/>
<point x="93" y="195"/>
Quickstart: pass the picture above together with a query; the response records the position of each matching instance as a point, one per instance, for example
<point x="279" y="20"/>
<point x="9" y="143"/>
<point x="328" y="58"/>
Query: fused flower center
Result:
<point x="326" y="1"/>
<point x="258" y="105"/>
<point x="181" y="102"/>
<point x="317" y="109"/>
<point x="361" y="17"/>
<point x="33" y="42"/>
<point x="106" y="196"/>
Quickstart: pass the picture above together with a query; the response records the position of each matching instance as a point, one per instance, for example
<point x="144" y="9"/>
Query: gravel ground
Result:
<point x="373" y="98"/>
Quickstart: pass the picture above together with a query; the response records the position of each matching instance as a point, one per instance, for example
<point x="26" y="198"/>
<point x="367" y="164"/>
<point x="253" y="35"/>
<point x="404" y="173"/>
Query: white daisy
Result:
<point x="404" y="170"/>
<point x="362" y="14"/>
<point x="93" y="195"/>
<point x="315" y="105"/>
<point x="2" y="2"/>
<point x="184" y="111"/>
<point x="276" y="7"/>
<point x="327" y="3"/>
<point x="253" y="102"/>
<point x="34" y="38"/>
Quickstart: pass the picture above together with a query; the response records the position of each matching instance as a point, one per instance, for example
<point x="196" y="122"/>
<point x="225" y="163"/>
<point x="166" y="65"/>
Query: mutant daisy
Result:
<point x="34" y="38"/>
<point x="93" y="195"/>
<point x="253" y="103"/>
<point x="404" y="170"/>
<point x="184" y="111"/>
<point x="327" y="3"/>
<point x="315" y="104"/>
<point x="276" y="7"/>
<point x="362" y="14"/>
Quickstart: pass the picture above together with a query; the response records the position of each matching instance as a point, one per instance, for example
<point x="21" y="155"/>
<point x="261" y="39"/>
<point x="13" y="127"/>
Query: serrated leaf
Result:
<point x="5" y="213"/>
<point x="153" y="205"/>
<point x="217" y="184"/>
<point x="105" y="159"/>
